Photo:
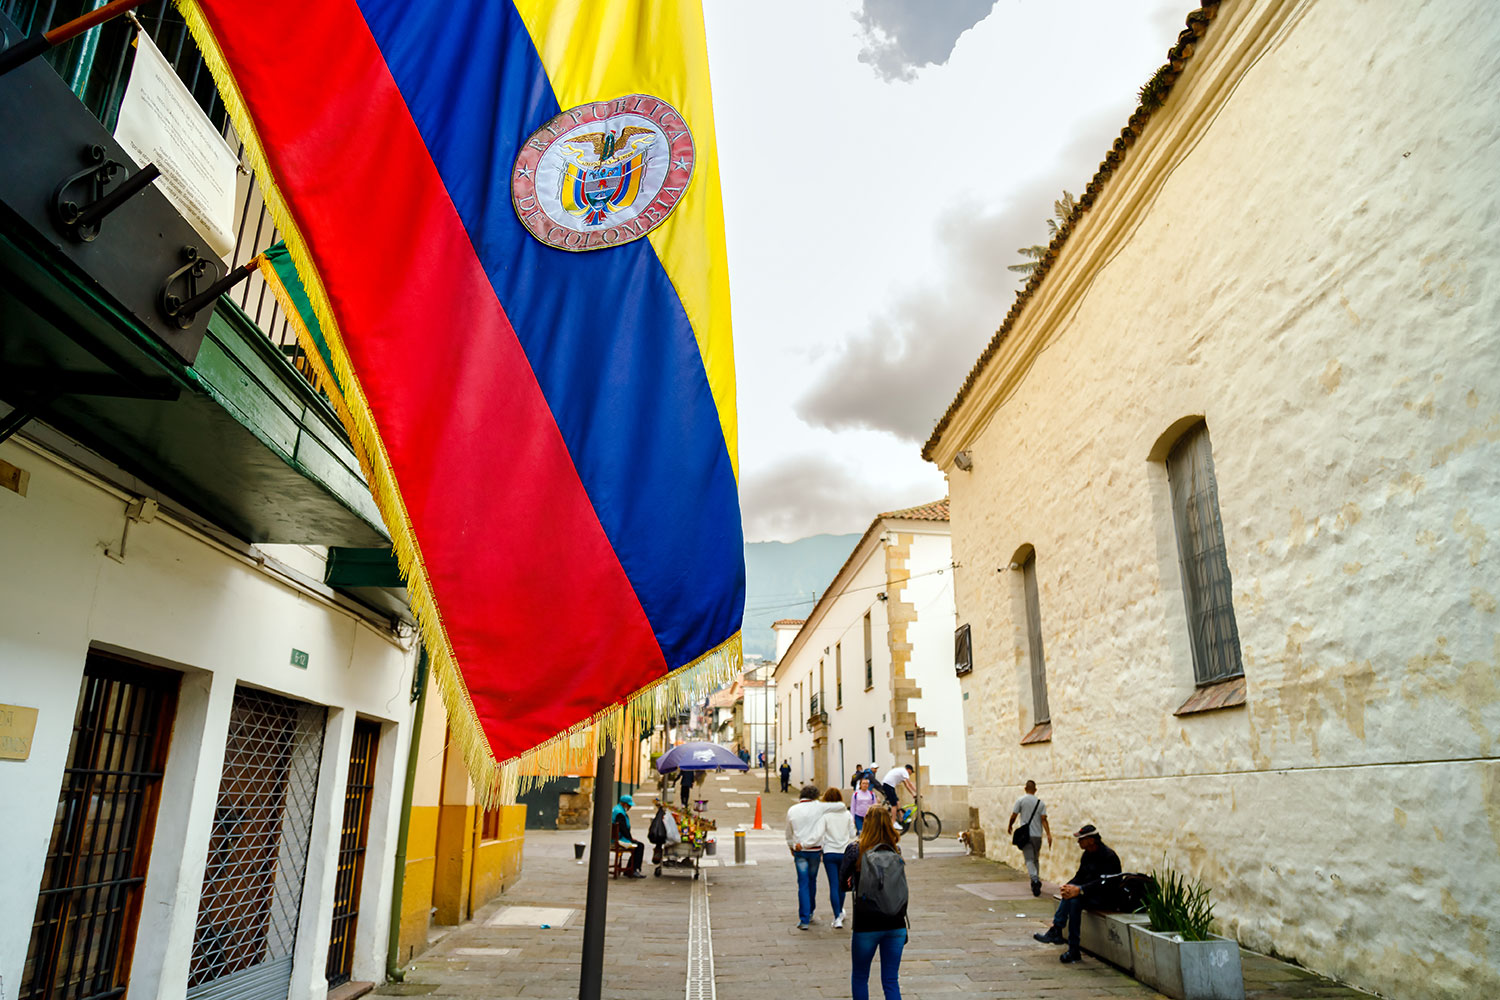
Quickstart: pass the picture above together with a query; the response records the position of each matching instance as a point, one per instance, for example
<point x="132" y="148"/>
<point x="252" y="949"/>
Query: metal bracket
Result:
<point x="83" y="223"/>
<point x="185" y="279"/>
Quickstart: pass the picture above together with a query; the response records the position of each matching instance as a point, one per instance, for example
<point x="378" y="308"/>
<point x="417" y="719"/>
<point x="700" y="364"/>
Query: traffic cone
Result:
<point x="758" y="825"/>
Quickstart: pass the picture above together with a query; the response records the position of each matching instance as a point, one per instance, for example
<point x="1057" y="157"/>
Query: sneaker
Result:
<point x="1036" y="887"/>
<point x="1051" y="937"/>
<point x="838" y="921"/>
<point x="802" y="927"/>
<point x="1070" y="956"/>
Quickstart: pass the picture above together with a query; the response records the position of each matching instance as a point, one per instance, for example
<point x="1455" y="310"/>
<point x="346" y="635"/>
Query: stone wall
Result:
<point x="1301" y="251"/>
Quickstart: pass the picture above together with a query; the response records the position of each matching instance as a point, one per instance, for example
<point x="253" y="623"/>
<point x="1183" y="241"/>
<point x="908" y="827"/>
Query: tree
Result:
<point x="1062" y="211"/>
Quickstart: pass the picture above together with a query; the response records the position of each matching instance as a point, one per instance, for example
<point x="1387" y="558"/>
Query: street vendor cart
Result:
<point x="693" y="828"/>
<point x="685" y="855"/>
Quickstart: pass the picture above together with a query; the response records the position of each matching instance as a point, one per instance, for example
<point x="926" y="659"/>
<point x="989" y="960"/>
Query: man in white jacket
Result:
<point x="804" y="836"/>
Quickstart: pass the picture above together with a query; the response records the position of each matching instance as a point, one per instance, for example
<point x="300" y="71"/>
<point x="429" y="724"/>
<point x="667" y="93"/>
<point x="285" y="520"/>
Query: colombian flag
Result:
<point x="545" y="406"/>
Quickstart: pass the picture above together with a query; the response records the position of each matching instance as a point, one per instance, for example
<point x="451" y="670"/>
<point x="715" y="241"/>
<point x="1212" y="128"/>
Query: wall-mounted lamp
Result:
<point x="964" y="461"/>
<point x="881" y="596"/>
<point x="1012" y="566"/>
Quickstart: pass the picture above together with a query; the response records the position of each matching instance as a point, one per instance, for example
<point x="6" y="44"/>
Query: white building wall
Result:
<point x="940" y="708"/>
<point x="180" y="601"/>
<point x="838" y="621"/>
<point x="1300" y="248"/>
<point x="760" y="707"/>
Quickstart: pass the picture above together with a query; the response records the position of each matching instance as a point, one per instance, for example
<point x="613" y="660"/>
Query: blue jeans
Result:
<point x="1070" y="914"/>
<point x="859" y="823"/>
<point x="807" y="883"/>
<point x="862" y="949"/>
<point x="831" y="864"/>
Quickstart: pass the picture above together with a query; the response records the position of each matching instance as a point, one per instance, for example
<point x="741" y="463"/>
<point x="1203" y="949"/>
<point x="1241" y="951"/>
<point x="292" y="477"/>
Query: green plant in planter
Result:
<point x="1178" y="904"/>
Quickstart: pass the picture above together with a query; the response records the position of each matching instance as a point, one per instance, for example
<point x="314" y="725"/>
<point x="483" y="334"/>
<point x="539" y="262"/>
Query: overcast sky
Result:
<point x="882" y="160"/>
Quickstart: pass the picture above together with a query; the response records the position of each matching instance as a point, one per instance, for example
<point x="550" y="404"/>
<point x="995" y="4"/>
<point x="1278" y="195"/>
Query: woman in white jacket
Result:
<point x="837" y="834"/>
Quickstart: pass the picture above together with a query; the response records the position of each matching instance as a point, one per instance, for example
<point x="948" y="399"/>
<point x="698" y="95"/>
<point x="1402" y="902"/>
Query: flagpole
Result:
<point x="29" y="48"/>
<point x="591" y="974"/>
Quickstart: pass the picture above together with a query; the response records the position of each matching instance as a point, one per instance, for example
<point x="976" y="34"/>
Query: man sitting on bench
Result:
<point x="1083" y="889"/>
<point x="619" y="831"/>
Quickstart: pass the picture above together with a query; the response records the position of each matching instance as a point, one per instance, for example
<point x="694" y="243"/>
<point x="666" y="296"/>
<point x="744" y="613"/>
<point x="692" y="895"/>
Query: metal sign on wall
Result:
<point x="17" y="726"/>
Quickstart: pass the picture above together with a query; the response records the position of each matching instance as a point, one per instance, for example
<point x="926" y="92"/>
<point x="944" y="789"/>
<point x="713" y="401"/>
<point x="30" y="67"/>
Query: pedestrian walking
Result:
<point x="1028" y="836"/>
<point x="686" y="785"/>
<point x="875" y="873"/>
<point x="786" y="775"/>
<point x="859" y="804"/>
<point x="838" y="834"/>
<point x="804" y="837"/>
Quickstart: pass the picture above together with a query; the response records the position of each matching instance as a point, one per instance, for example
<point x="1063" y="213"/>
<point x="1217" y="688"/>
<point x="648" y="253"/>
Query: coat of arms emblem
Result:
<point x="602" y="174"/>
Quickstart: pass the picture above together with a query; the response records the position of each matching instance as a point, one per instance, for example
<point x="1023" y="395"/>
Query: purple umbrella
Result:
<point x="699" y="757"/>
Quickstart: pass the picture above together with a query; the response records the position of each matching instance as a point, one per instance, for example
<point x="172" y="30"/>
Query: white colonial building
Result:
<point x="873" y="660"/>
<point x="1224" y="485"/>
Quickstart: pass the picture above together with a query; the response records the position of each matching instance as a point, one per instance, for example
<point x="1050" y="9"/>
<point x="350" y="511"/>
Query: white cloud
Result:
<point x="901" y="36"/>
<point x="809" y="494"/>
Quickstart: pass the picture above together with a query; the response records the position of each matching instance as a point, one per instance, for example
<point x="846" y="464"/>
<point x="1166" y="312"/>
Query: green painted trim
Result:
<point x="348" y="567"/>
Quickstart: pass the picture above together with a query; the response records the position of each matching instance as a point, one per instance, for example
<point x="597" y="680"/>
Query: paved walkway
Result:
<point x="971" y="927"/>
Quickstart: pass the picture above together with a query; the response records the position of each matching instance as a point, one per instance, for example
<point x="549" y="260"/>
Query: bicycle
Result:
<point x="932" y="827"/>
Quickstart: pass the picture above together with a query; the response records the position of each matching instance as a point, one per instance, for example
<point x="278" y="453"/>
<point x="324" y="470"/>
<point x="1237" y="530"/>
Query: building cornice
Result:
<point x="1202" y="71"/>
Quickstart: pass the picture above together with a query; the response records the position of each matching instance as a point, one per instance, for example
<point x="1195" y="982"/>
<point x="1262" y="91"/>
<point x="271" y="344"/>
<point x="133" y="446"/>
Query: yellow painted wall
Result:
<point x="450" y="871"/>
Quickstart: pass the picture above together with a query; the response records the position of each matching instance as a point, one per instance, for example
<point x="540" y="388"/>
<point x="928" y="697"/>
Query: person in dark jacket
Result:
<point x="1083" y="889"/>
<point x="873" y="930"/>
<point x="685" y="783"/>
<point x="619" y="832"/>
<point x="786" y="775"/>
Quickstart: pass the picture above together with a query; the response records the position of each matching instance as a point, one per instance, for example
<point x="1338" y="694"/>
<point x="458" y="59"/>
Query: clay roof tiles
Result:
<point x="937" y="510"/>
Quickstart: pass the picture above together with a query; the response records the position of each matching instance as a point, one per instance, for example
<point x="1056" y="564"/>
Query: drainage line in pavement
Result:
<point x="700" y="970"/>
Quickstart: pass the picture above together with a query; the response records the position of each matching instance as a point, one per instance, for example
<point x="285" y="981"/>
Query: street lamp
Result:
<point x="765" y="720"/>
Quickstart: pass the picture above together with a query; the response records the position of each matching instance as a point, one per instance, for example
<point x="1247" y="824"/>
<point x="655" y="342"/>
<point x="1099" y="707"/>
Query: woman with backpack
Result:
<point x="874" y="872"/>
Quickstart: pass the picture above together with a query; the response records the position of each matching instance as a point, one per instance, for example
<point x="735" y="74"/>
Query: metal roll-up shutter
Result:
<point x="257" y="853"/>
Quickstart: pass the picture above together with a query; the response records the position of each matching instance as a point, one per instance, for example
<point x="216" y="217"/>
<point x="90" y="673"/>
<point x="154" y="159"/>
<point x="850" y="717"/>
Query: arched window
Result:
<point x="1206" y="589"/>
<point x="1026" y="558"/>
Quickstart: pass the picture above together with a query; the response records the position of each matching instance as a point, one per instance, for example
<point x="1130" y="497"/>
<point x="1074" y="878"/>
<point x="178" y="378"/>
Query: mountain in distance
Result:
<point x="784" y="580"/>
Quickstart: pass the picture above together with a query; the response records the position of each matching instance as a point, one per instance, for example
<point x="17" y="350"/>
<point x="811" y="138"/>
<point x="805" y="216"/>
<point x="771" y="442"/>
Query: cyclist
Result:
<point x="898" y="776"/>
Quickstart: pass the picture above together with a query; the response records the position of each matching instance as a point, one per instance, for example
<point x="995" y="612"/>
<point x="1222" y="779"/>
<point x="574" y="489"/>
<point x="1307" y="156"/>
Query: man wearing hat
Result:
<point x="1098" y="861"/>
<point x="619" y="829"/>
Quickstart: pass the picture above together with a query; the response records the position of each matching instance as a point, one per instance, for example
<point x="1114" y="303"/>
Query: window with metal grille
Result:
<point x="1040" y="712"/>
<point x="869" y="656"/>
<point x="838" y="677"/>
<point x="963" y="650"/>
<point x="257" y="852"/>
<point x="1206" y="588"/>
<point x="355" y="834"/>
<point x="87" y="910"/>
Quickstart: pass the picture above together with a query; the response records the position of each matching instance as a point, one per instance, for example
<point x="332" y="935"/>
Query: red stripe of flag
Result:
<point x="509" y="537"/>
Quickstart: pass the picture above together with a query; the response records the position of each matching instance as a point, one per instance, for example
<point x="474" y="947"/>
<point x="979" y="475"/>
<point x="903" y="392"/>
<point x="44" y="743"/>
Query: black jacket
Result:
<point x="865" y="919"/>
<point x="1095" y="865"/>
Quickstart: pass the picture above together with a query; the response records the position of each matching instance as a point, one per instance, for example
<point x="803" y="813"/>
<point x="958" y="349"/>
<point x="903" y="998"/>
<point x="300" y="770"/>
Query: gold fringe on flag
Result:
<point x="495" y="782"/>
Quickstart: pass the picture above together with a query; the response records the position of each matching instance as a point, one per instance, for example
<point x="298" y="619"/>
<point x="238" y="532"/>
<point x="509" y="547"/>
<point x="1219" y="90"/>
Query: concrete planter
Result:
<point x="1187" y="970"/>
<point x="1107" y="936"/>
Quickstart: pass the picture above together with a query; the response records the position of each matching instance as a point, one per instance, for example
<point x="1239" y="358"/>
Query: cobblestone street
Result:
<point x="971" y="927"/>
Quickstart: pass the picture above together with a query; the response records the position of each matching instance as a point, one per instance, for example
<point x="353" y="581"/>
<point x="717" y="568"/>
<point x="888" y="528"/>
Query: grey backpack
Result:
<point x="882" y="882"/>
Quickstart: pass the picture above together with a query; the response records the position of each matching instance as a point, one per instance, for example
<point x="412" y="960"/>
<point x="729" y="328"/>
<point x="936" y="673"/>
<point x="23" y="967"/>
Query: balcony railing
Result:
<point x="96" y="65"/>
<point x="816" y="714"/>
